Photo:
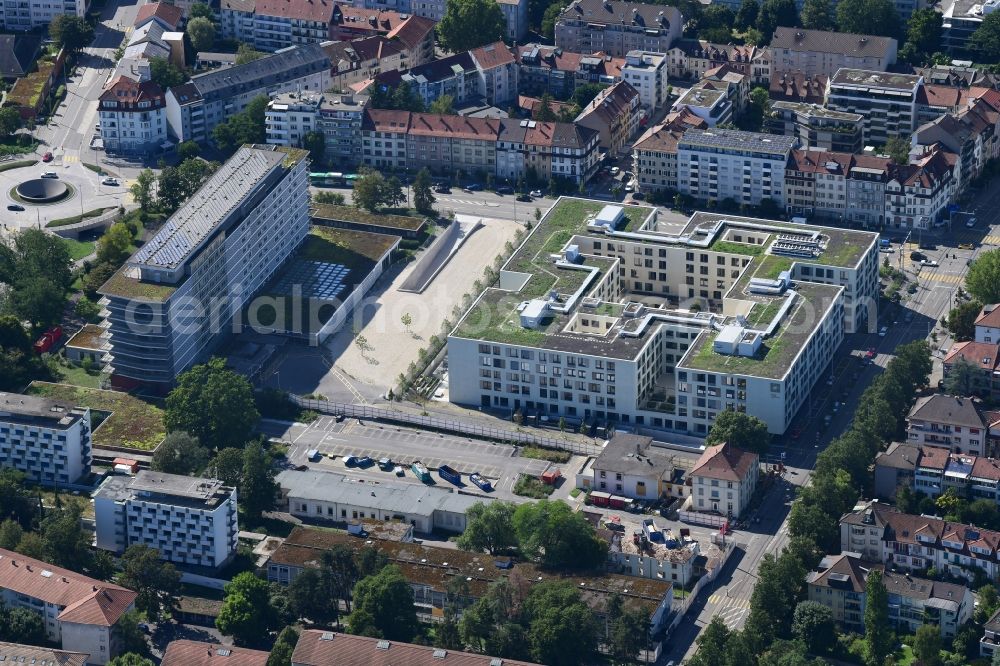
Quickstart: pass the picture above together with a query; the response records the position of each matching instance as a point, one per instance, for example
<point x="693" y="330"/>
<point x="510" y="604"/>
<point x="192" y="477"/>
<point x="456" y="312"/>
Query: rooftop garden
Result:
<point x="494" y="317"/>
<point x="130" y="423"/>
<point x="772" y="266"/>
<point x="356" y="250"/>
<point x="763" y="313"/>
<point x="842" y="251"/>
<point x="731" y="247"/>
<point x="124" y="286"/>
<point x="358" y="216"/>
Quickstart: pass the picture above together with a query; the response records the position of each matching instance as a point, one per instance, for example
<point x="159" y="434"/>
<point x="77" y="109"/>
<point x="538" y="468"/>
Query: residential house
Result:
<point x="950" y="422"/>
<point x="984" y="356"/>
<point x="349" y="22"/>
<point x="816" y="184"/>
<point x="840" y="583"/>
<point x="546" y="150"/>
<point x="655" y="158"/>
<point x="816" y="126"/>
<point x="616" y="27"/>
<point x="895" y="468"/>
<point x="323" y="648"/>
<point x="630" y="466"/>
<point x="693" y="58"/>
<point x="918" y="194"/>
<point x="988" y="324"/>
<point x="46" y="440"/>
<point x="416" y="35"/>
<point x="557" y="71"/>
<point x="362" y="59"/>
<point x="80" y="614"/>
<point x="723" y="480"/>
<point x="615" y="115"/>
<point x="824" y="52"/>
<point x="133" y="116"/>
<point x="990" y="641"/>
<point x="647" y="73"/>
<point x="171" y="17"/>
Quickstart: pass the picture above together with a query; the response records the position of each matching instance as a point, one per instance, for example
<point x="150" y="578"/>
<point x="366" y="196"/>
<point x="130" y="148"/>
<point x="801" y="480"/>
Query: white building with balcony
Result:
<point x="646" y="71"/>
<point x="290" y="116"/>
<point x="189" y="520"/>
<point x="133" y="116"/>
<point x="947" y="421"/>
<point x="47" y="440"/>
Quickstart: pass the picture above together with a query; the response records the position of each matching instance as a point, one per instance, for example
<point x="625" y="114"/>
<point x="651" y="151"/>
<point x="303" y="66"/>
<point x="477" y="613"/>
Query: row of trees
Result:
<point x="165" y="193"/>
<point x="778" y="624"/>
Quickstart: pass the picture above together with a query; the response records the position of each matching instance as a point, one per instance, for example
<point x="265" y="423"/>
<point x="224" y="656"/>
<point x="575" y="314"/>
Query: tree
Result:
<point x="868" y="17"/>
<point x="898" y="149"/>
<point x="257" y="488"/>
<point x="813" y="623"/>
<point x="20" y="625"/>
<point x="227" y="466"/>
<point x="983" y="278"/>
<point x="340" y="571"/>
<point x="383" y="606"/>
<point x="187" y="150"/>
<point x="550" y="18"/>
<point x="741" y="430"/>
<point x="10" y="121"/>
<point x="246" y="614"/>
<point x="164" y="73"/>
<point x="712" y="643"/>
<point x="10" y="534"/>
<point x="468" y="24"/>
<point x="927" y="645"/>
<point x="113" y="246"/>
<point x="543" y="112"/>
<point x="961" y="320"/>
<point x="281" y="653"/>
<point x="201" y="10"/>
<point x="201" y="32"/>
<point x="246" y="53"/>
<point x="247" y="126"/>
<point x="130" y="637"/>
<point x="817" y="15"/>
<point x="985" y="41"/>
<point x="489" y="527"/>
<point x="39" y="254"/>
<point x="746" y="17"/>
<point x="156" y="582"/>
<point x="423" y="198"/>
<point x="370" y="561"/>
<point x="557" y="536"/>
<point x="142" y="189"/>
<point x="774" y="13"/>
<point x="180" y="453"/>
<point x="392" y="192"/>
<point x="628" y="631"/>
<point x="368" y="190"/>
<point x="71" y="32"/>
<point x="878" y="634"/>
<point x="130" y="659"/>
<point x="38" y="300"/>
<point x="66" y="544"/>
<point x="32" y="545"/>
<point x="923" y="36"/>
<point x="315" y="143"/>
<point x="445" y="105"/>
<point x="562" y="630"/>
<point x="716" y="24"/>
<point x="213" y="404"/>
<point x="310" y="599"/>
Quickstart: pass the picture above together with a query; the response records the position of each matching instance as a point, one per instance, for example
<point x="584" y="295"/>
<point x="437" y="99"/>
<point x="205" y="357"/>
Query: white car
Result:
<point x="882" y="331"/>
<point x="615" y="171"/>
<point x="971" y="222"/>
<point x="535" y="193"/>
<point x="110" y="181"/>
<point x="49" y="174"/>
<point x="630" y="186"/>
<point x="930" y="262"/>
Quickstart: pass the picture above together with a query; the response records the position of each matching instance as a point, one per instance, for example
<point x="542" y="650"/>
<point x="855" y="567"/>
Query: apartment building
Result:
<point x="550" y="69"/>
<point x="816" y="127"/>
<point x="47" y="440"/>
<point x="614" y="114"/>
<point x="947" y="421"/>
<point x="645" y="325"/>
<point x="990" y="641"/>
<point x="888" y="102"/>
<point x="499" y="71"/>
<point x="362" y="59"/>
<point x="984" y="356"/>
<point x="502" y="147"/>
<point x="988" y="324"/>
<point x="182" y="652"/>
<point x="797" y="86"/>
<point x="350" y="22"/>
<point x="880" y="533"/>
<point x="29" y="654"/>
<point x="932" y="470"/>
<point x="823" y="52"/>
<point x="236" y="19"/>
<point x="204" y="254"/>
<point x="133" y="117"/>
<point x="32" y="14"/>
<point x="189" y="520"/>
<point x="278" y="24"/>
<point x="918" y="194"/>
<point x="693" y="58"/>
<point x="960" y="19"/>
<point x="515" y="13"/>
<point x="195" y="108"/>
<point x="290" y="116"/>
<point x="616" y="27"/>
<point x="654" y="158"/>
<point x="840" y="583"/>
<point x="416" y="35"/>
<point x="747" y="167"/>
<point x="428" y="570"/>
<point x="322" y="648"/>
<point x="724" y="480"/>
<point x="80" y="613"/>
<point x="340" y="118"/>
<point x="971" y="131"/>
<point x="647" y="73"/>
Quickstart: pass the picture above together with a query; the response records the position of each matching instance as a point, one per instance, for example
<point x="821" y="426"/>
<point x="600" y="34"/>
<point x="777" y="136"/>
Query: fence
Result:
<point x="707" y="519"/>
<point x="681" y="609"/>
<point x="444" y="425"/>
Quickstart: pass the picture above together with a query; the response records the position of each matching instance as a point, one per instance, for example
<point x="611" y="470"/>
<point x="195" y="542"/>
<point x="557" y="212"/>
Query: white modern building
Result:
<point x="626" y="320"/>
<point x="133" y="116"/>
<point x="886" y="101"/>
<point x="47" y="440"/>
<point x="178" y="297"/>
<point x="31" y="14"/>
<point x="647" y="72"/>
<point x="290" y="116"/>
<point x="189" y="520"/>
<point x="80" y="613"/>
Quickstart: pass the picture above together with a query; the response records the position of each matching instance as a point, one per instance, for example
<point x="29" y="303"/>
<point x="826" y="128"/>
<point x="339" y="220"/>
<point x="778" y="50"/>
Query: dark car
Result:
<point x="917" y="256"/>
<point x="524" y="197"/>
<point x="505" y="189"/>
<point x="15" y="207"/>
<point x="442" y="189"/>
<point x="926" y="245"/>
<point x="638" y="196"/>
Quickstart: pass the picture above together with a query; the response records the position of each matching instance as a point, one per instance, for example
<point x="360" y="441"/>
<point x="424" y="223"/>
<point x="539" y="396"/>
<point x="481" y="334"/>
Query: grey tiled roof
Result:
<point x="284" y="66"/>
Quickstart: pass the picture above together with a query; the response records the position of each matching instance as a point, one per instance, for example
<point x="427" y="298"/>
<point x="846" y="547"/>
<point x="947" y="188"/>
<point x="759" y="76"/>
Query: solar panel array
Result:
<point x="315" y="279"/>
<point x="199" y="217"/>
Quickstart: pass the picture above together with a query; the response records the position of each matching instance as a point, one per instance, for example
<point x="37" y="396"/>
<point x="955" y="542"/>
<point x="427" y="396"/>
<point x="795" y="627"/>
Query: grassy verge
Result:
<point x="529" y="486"/>
<point x="12" y="147"/>
<point x="17" y="165"/>
<point x="64" y="221"/>
<point x="79" y="249"/>
<point x="551" y="455"/>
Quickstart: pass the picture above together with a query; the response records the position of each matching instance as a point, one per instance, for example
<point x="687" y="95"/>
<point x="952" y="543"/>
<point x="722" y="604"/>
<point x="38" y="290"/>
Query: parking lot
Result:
<point x="335" y="441"/>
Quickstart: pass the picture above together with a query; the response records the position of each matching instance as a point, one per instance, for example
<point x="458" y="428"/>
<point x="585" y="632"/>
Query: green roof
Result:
<point x="358" y="216"/>
<point x="124" y="286"/>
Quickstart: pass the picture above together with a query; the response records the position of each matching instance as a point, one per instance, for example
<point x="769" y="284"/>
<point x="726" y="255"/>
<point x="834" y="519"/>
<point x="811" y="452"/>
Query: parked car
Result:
<point x="537" y="194"/>
<point x="966" y="246"/>
<point x="15" y="207"/>
<point x="442" y="189"/>
<point x="917" y="256"/>
<point x="47" y="157"/>
<point x="365" y="461"/>
<point x="505" y="189"/>
<point x="882" y="331"/>
<point x="473" y="187"/>
<point x="110" y="181"/>
<point x="524" y="197"/>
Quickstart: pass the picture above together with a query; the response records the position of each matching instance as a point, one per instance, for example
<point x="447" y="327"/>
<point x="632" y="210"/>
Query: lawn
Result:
<point x="77" y="376"/>
<point x="737" y="248"/>
<point x="529" y="486"/>
<point x="134" y="423"/>
<point x="79" y="249"/>
<point x="764" y="313"/>
<point x="356" y="215"/>
<point x="17" y="165"/>
<point x="772" y="266"/>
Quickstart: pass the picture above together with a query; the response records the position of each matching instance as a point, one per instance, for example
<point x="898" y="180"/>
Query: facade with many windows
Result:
<point x="47" y="440"/>
<point x="133" y="116"/>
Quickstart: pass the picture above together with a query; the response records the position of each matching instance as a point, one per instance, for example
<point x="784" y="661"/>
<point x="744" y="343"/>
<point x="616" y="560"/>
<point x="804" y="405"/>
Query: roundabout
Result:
<point x="42" y="191"/>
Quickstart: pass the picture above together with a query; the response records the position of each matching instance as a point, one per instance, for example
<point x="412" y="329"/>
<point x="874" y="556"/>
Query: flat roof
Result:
<point x="817" y="111"/>
<point x="875" y="79"/>
<point x="737" y="139"/>
<point x="182" y="490"/>
<point x="17" y="407"/>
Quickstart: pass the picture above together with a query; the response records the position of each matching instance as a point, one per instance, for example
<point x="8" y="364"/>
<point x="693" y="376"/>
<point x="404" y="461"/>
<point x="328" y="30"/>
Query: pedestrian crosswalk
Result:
<point x="729" y="602"/>
<point x="940" y="277"/>
<point x="70" y="159"/>
<point x="991" y="240"/>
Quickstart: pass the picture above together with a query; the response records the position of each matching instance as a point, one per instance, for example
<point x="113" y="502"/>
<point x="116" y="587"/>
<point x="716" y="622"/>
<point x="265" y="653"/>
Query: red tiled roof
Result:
<point x="493" y="55"/>
<point x="373" y="20"/>
<point x="933" y="457"/>
<point x="529" y="104"/>
<point x="169" y="14"/>
<point x="459" y="127"/>
<point x="981" y="354"/>
<point x="318" y="648"/>
<point x="86" y="601"/>
<point x="986" y="468"/>
<point x="127" y="91"/>
<point x="724" y="461"/>
<point x="940" y="96"/>
<point x="989" y="316"/>
<point x="197" y="653"/>
<point x="413" y="31"/>
<point x="318" y="11"/>
<point x="661" y="139"/>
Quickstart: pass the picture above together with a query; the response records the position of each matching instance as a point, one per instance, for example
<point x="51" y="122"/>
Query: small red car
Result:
<point x="870" y="353"/>
<point x="47" y="157"/>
